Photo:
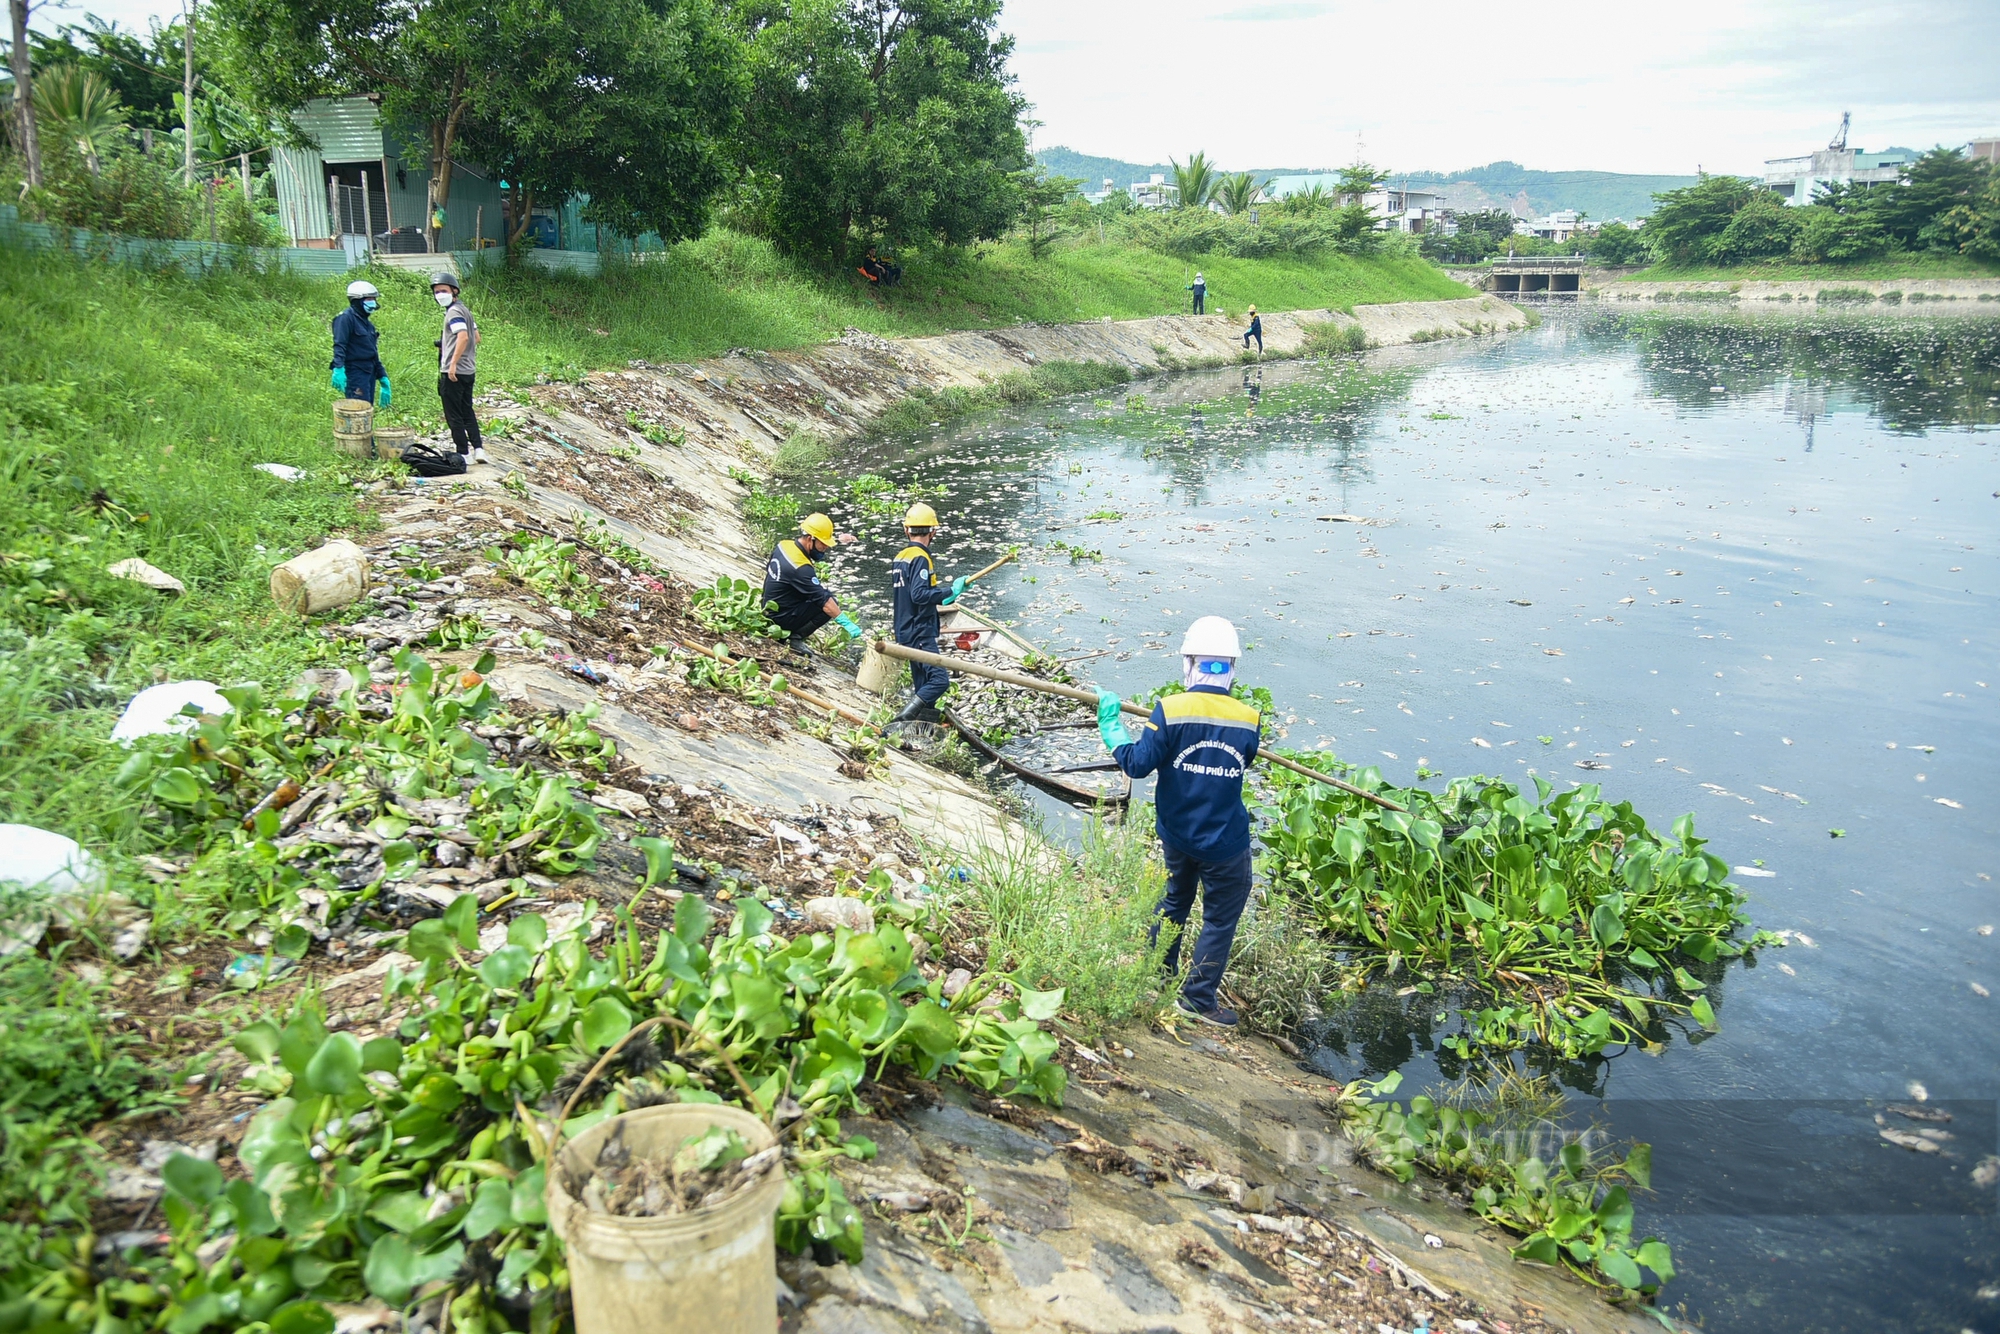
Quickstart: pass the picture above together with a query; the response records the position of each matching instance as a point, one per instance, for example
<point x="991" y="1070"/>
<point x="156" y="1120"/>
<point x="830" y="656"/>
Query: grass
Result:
<point x="1889" y="268"/>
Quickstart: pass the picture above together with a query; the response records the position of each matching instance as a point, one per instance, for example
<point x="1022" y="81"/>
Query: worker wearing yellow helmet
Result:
<point x="795" y="597"/>
<point x="918" y="597"/>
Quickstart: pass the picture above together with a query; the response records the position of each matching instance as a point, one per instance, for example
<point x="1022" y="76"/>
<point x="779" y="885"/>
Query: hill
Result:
<point x="1507" y="185"/>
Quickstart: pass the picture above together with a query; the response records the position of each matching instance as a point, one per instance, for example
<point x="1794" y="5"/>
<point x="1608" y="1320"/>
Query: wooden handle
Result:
<point x="1089" y="697"/>
<point x="972" y="578"/>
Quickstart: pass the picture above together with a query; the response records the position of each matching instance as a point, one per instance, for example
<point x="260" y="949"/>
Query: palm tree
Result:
<point x="79" y="107"/>
<point x="1196" y="183"/>
<point x="1237" y="193"/>
<point x="1311" y="199"/>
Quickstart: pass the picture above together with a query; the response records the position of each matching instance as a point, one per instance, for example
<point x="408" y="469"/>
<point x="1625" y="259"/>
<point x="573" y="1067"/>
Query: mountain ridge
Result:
<point x="1504" y="185"/>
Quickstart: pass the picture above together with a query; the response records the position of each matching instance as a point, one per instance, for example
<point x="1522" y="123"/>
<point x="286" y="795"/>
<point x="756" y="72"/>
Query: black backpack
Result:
<point x="427" y="462"/>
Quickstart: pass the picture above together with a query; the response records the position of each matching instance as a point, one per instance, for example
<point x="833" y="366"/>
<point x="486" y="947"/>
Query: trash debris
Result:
<point x="319" y="580"/>
<point x="253" y="970"/>
<point x="157" y="710"/>
<point x="1755" y="872"/>
<point x="706" y="1170"/>
<point x="284" y="472"/>
<point x="829" y="913"/>
<point x="139" y="572"/>
<point x="57" y="875"/>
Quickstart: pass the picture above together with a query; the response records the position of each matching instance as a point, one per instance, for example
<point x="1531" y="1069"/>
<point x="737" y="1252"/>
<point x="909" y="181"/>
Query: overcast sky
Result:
<point x="1719" y="84"/>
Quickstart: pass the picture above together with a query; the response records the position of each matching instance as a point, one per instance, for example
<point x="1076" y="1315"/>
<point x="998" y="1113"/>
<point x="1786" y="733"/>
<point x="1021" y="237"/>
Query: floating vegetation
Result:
<point x="733" y="607"/>
<point x="1573" y="1209"/>
<point x="1568" y="911"/>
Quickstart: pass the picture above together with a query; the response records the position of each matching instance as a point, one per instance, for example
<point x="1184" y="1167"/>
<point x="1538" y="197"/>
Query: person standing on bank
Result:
<point x="1200" y="289"/>
<point x="357" y="364"/>
<point x="918" y="598"/>
<point x="458" y="358"/>
<point x="795" y="597"/>
<point x="1256" y="331"/>
<point x="1200" y="741"/>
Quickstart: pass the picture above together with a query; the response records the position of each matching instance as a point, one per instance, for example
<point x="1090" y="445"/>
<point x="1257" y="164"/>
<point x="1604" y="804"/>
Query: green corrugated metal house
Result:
<point x="360" y="181"/>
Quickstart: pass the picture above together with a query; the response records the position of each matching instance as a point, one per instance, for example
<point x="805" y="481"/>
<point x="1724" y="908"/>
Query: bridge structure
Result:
<point x="1526" y="275"/>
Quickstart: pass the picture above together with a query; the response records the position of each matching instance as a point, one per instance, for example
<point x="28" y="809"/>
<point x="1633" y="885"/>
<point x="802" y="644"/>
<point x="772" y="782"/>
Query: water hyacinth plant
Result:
<point x="1568" y="911"/>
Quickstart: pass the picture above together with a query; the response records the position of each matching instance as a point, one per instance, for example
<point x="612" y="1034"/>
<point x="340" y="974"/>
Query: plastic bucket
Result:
<point x="361" y="444"/>
<point x="391" y="441"/>
<point x="877" y="671"/>
<point x="713" y="1271"/>
<point x="353" y="416"/>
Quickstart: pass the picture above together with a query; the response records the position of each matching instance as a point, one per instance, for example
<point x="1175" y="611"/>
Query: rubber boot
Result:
<point x="918" y="710"/>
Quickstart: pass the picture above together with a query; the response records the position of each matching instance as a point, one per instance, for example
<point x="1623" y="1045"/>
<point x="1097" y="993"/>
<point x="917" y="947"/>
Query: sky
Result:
<point x="1718" y="85"/>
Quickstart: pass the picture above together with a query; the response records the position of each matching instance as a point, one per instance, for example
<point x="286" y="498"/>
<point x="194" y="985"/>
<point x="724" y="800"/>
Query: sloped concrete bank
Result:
<point x="1192" y="1183"/>
<point x="1879" y="294"/>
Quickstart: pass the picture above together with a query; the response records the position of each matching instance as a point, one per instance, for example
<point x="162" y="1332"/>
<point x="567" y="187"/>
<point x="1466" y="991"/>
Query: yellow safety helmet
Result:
<point x="920" y="516"/>
<point x="817" y="526"/>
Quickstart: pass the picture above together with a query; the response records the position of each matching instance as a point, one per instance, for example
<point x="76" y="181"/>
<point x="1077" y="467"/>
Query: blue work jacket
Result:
<point x="1201" y="741"/>
<point x="917" y="598"/>
<point x="354" y="340"/>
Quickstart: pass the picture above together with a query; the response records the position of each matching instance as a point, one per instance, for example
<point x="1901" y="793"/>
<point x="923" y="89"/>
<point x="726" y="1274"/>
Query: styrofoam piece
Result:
<point x="156" y="710"/>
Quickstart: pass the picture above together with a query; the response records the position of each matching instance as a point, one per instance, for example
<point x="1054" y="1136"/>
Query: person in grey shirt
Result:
<point x="458" y="358"/>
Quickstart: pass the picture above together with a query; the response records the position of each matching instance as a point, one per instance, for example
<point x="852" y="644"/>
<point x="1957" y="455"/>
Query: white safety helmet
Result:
<point x="1212" y="637"/>
<point x="361" y="290"/>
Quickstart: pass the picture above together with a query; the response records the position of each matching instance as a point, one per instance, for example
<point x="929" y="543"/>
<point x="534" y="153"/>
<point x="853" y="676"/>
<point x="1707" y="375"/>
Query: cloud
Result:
<point x="1276" y="13"/>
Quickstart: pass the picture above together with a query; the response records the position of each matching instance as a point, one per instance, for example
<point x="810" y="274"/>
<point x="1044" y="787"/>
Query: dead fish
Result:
<point x="1591" y="764"/>
<point x="1903" y="1139"/>
<point x="1919" y="1113"/>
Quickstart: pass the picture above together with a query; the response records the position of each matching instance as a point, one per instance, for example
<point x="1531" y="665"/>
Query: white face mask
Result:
<point x="443" y="299"/>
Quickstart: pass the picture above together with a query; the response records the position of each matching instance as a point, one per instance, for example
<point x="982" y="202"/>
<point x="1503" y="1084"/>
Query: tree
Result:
<point x="1358" y="180"/>
<point x="1042" y="198"/>
<point x="76" y="106"/>
<point x="1973" y="227"/>
<point x="1687" y="225"/>
<point x="1196" y="183"/>
<point x="1933" y="185"/>
<point x="144" y="72"/>
<point x="24" y="96"/>
<point x="1764" y="228"/>
<point x="881" y="120"/>
<point x="1826" y="233"/>
<point x="1615" y="243"/>
<point x="634" y="103"/>
<point x="1238" y="193"/>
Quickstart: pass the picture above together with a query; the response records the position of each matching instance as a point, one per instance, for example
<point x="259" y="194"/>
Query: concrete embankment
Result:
<point x="1832" y="290"/>
<point x="1191" y="1183"/>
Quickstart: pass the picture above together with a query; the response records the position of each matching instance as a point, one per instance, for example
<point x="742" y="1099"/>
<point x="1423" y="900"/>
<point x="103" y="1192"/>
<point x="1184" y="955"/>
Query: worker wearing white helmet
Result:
<point x="1201" y="741"/>
<point x="357" y="367"/>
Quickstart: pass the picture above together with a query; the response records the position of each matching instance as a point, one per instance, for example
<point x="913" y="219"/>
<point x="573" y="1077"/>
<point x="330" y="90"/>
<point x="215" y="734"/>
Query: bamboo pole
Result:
<point x="1082" y="696"/>
<point x="974" y="578"/>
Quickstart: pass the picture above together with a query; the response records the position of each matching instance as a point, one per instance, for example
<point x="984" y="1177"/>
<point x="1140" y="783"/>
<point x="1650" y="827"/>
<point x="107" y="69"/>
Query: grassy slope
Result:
<point x="732" y="291"/>
<point x="1888" y="269"/>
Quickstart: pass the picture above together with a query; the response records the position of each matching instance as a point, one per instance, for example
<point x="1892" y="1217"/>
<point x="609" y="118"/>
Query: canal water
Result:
<point x="1743" y="565"/>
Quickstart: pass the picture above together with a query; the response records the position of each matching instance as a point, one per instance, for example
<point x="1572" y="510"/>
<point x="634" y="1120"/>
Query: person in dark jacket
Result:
<point x="1200" y="741"/>
<point x="1200" y="289"/>
<point x="918" y="597"/>
<point x="795" y="598"/>
<point x="1256" y="331"/>
<point x="357" y="367"/>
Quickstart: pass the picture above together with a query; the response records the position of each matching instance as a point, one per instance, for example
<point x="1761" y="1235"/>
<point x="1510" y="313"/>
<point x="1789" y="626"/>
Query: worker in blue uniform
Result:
<point x="918" y="597"/>
<point x="1200" y="742"/>
<point x="795" y="597"/>
<point x="357" y="367"/>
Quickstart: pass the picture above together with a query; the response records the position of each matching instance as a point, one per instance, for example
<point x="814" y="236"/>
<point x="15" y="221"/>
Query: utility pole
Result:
<point x="24" y="95"/>
<point x="187" y="87"/>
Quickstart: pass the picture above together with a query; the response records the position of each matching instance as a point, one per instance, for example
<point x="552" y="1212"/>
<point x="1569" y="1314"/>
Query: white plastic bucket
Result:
<point x="712" y="1271"/>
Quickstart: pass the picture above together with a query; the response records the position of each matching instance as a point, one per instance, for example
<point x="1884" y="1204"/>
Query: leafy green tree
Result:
<point x="1687" y="224"/>
<point x="1358" y="180"/>
<point x="1764" y="228"/>
<point x="1933" y="185"/>
<point x="1044" y="199"/>
<point x="1615" y="243"/>
<point x="77" y="107"/>
<point x="143" y="71"/>
<point x="634" y="103"/>
<point x="890" y="120"/>
<point x="1196" y="183"/>
<point x="1237" y="193"/>
<point x="1827" y="234"/>
<point x="1973" y="227"/>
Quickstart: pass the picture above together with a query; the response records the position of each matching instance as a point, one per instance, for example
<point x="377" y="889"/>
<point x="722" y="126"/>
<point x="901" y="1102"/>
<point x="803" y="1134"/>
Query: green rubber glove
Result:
<point x="385" y="391"/>
<point x="340" y="379"/>
<point x="849" y="624"/>
<point x="1111" y="720"/>
<point x="957" y="591"/>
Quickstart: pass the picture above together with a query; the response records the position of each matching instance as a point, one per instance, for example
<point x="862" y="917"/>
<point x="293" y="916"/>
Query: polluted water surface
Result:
<point x="1739" y="565"/>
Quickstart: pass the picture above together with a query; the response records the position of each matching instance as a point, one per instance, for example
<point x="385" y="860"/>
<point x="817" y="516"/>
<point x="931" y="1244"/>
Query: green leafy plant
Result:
<point x="742" y="679"/>
<point x="549" y="567"/>
<point x="1569" y="905"/>
<point x="1573" y="1211"/>
<point x="1077" y="554"/>
<point x="733" y="607"/>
